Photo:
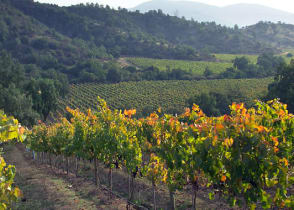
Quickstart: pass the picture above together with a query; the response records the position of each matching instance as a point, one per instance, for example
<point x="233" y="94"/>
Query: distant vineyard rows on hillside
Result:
<point x="224" y="61"/>
<point x="147" y="96"/>
<point x="196" y="67"/>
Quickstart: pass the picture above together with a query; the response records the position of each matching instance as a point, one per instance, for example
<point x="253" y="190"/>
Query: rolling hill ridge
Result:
<point x="240" y="14"/>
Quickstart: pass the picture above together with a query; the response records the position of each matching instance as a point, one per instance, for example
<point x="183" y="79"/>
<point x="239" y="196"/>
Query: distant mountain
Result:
<point x="240" y="14"/>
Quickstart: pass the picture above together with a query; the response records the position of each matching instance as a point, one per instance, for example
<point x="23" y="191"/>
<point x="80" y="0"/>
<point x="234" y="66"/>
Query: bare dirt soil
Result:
<point x="45" y="188"/>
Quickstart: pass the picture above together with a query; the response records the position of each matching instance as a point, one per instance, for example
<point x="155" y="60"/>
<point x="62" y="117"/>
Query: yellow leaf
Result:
<point x="159" y="110"/>
<point x="228" y="142"/>
<point x="214" y="140"/>
<point x="17" y="192"/>
<point x="195" y="108"/>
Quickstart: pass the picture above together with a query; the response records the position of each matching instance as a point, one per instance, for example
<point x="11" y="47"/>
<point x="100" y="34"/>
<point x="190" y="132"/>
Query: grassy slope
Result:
<point x="197" y="67"/>
<point x="170" y="95"/>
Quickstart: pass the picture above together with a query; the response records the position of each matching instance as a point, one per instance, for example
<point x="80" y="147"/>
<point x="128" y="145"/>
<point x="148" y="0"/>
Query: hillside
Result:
<point x="32" y="42"/>
<point x="277" y="35"/>
<point x="107" y="29"/>
<point x="240" y="14"/>
<point x="134" y="34"/>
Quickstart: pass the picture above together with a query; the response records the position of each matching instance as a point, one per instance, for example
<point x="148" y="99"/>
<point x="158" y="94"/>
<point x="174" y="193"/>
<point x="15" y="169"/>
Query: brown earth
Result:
<point x="45" y="188"/>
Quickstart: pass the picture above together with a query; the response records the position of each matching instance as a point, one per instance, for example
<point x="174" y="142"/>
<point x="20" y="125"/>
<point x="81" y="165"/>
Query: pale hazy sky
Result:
<point x="287" y="5"/>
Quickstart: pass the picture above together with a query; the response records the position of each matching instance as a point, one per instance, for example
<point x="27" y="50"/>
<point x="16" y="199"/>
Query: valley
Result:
<point x="110" y="108"/>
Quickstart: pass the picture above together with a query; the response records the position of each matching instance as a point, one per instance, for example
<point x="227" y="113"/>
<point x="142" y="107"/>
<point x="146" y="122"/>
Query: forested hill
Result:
<point x="32" y="42"/>
<point x="153" y="34"/>
<point x="277" y="35"/>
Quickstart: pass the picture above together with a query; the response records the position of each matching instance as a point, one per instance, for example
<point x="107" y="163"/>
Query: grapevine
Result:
<point x="245" y="157"/>
<point x="9" y="130"/>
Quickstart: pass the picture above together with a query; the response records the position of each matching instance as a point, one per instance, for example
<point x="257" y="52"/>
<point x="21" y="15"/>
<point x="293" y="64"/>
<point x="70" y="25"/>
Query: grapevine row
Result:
<point x="246" y="157"/>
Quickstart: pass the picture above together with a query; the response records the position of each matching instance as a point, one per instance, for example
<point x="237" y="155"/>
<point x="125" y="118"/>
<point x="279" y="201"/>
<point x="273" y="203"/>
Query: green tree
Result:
<point x="13" y="99"/>
<point x="215" y="103"/>
<point x="207" y="72"/>
<point x="10" y="71"/>
<point x="113" y="75"/>
<point x="241" y="63"/>
<point x="207" y="103"/>
<point x="269" y="63"/>
<point x="44" y="95"/>
<point x="283" y="86"/>
<point x="14" y="102"/>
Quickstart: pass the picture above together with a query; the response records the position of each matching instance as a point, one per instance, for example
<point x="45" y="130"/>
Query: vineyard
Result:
<point x="245" y="158"/>
<point x="230" y="57"/>
<point x="196" y="67"/>
<point x="147" y="96"/>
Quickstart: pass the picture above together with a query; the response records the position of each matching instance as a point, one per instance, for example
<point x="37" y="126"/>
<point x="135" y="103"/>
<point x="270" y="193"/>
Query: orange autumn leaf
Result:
<point x="260" y="129"/>
<point x="200" y="113"/>
<point x="275" y="140"/>
<point x="214" y="140"/>
<point x="153" y="115"/>
<point x="151" y="122"/>
<point x="227" y="118"/>
<point x="281" y="113"/>
<point x="21" y="130"/>
<point x="126" y="112"/>
<point x="219" y="127"/>
<point x="187" y="112"/>
<point x="130" y="112"/>
<point x="244" y="112"/>
<point x="240" y="106"/>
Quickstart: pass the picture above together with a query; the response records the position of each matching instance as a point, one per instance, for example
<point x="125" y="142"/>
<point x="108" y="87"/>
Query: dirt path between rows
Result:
<point x="44" y="188"/>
